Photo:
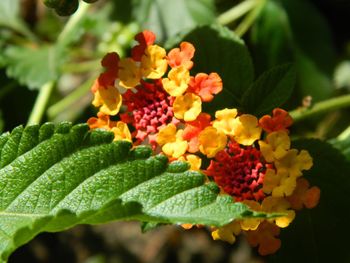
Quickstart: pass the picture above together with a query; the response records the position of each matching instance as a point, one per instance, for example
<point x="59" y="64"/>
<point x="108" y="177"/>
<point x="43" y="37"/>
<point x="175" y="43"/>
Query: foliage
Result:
<point x="54" y="177"/>
<point x="269" y="53"/>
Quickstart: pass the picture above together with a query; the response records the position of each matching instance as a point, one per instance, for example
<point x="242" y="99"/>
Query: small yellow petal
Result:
<point x="187" y="107"/>
<point x="153" y="62"/>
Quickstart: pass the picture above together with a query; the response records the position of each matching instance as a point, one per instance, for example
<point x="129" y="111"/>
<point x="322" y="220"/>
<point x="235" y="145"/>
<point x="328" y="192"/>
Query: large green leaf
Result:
<point x="33" y="67"/>
<point x="321" y="234"/>
<point x="219" y="50"/>
<point x="167" y="18"/>
<point x="54" y="177"/>
<point x="270" y="90"/>
<point x="280" y="36"/>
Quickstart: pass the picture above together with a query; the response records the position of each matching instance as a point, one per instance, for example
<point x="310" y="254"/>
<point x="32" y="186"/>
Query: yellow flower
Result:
<point x="129" y="73"/>
<point x="276" y="146"/>
<point x="171" y="141"/>
<point x="177" y="81"/>
<point x="211" y="141"/>
<point x="246" y="130"/>
<point x="187" y="107"/>
<point x="121" y="132"/>
<point x="279" y="184"/>
<point x="251" y="223"/>
<point x="194" y="161"/>
<point x="153" y="62"/>
<point x="278" y="205"/>
<point x="225" y="120"/>
<point x="227" y="233"/>
<point x="108" y="99"/>
<point x="293" y="163"/>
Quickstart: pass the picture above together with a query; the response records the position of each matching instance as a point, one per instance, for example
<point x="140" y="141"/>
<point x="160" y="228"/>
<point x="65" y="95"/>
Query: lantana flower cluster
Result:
<point x="158" y="102"/>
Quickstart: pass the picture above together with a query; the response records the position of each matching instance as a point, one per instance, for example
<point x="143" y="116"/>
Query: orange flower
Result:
<point x="205" y="85"/>
<point x="303" y="195"/>
<point x="280" y="120"/>
<point x="102" y="121"/>
<point x="265" y="238"/>
<point x="181" y="56"/>
<point x="145" y="38"/>
<point x="192" y="130"/>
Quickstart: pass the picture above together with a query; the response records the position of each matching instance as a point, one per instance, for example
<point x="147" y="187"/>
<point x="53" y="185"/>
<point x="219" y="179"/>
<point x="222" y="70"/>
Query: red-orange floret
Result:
<point x="280" y="121"/>
<point x="239" y="171"/>
<point x="181" y="56"/>
<point x="192" y="130"/>
<point x="145" y="38"/>
<point x="205" y="86"/>
<point x="110" y="62"/>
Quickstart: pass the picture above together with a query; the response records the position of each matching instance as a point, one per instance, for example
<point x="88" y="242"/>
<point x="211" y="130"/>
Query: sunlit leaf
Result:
<point x="55" y="177"/>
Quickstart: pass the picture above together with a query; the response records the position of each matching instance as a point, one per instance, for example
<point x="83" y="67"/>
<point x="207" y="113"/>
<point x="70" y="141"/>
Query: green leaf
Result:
<point x="270" y="90"/>
<point x="343" y="145"/>
<point x="219" y="50"/>
<point x="280" y="36"/>
<point x="321" y="234"/>
<point x="168" y="18"/>
<point x="272" y="37"/>
<point x="55" y="177"/>
<point x="33" y="67"/>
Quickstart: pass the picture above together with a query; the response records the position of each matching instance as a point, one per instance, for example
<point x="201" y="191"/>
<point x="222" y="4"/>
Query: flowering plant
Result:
<point x="200" y="125"/>
<point x="250" y="159"/>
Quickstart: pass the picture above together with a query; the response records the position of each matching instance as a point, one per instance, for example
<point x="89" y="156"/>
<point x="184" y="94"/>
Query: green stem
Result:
<point x="46" y="90"/>
<point x="236" y="12"/>
<point x="63" y="104"/>
<point x="40" y="103"/>
<point x="344" y="135"/>
<point x="81" y="67"/>
<point x="72" y="22"/>
<point x="248" y="21"/>
<point x="321" y="107"/>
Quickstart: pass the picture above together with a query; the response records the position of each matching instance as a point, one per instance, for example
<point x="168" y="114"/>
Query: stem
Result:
<point x="72" y="22"/>
<point x="321" y="107"/>
<point x="55" y="109"/>
<point x="45" y="91"/>
<point x="248" y="21"/>
<point x="40" y="103"/>
<point x="344" y="135"/>
<point x="236" y="12"/>
<point x="81" y="67"/>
